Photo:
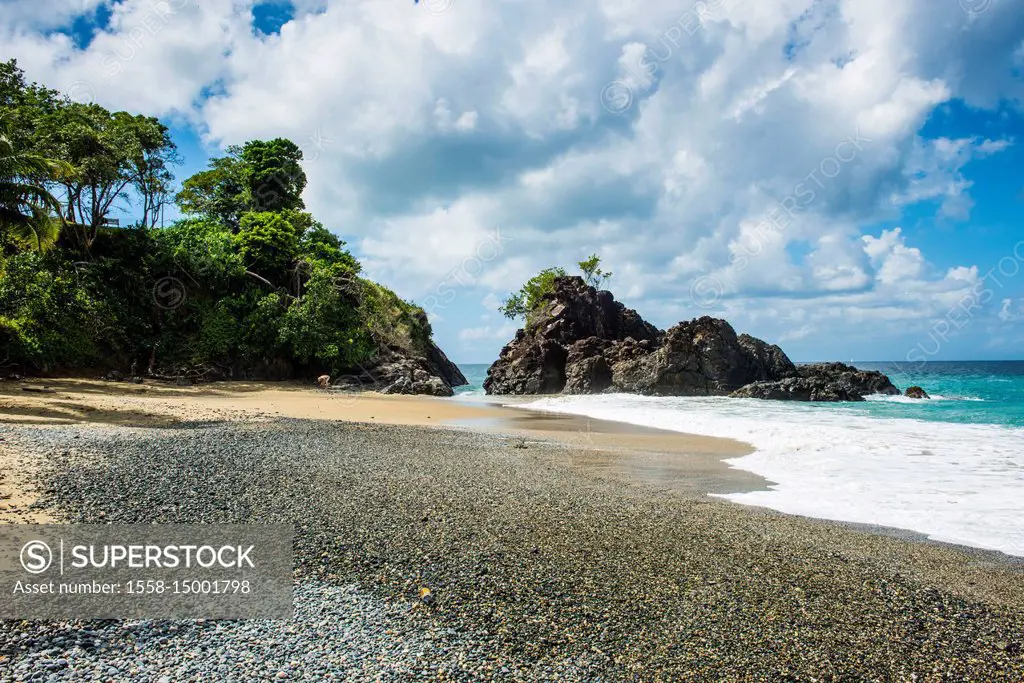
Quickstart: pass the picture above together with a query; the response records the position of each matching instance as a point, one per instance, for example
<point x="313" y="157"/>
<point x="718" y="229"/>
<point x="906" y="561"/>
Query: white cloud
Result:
<point x="496" y="114"/>
<point x="500" y="333"/>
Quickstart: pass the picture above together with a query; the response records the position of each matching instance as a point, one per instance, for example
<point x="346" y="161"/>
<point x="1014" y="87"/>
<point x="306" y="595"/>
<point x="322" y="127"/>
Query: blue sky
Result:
<point x="842" y="177"/>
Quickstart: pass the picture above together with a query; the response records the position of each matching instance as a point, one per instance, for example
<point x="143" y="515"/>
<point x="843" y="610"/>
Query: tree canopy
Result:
<point x="257" y="176"/>
<point x="247" y="284"/>
<point x="107" y="161"/>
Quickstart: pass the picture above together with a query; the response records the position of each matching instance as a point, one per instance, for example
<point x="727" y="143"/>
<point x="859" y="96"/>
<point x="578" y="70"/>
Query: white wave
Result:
<point x="958" y="483"/>
<point x="882" y="398"/>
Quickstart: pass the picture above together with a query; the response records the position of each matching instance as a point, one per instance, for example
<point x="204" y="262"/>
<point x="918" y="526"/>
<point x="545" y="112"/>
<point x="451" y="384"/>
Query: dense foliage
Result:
<point x="531" y="295"/>
<point x="247" y="285"/>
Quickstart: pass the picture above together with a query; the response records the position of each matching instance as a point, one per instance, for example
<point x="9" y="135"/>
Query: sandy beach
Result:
<point x="558" y="548"/>
<point x="687" y="461"/>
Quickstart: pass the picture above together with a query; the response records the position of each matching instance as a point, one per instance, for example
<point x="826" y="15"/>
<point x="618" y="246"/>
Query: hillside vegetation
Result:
<point x="247" y="285"/>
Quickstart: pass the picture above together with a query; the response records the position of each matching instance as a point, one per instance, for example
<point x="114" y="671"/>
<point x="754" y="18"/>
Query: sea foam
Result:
<point x="959" y="483"/>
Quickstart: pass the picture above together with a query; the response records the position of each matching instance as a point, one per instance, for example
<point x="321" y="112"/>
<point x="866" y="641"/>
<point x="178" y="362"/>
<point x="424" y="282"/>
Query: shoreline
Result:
<point x="687" y="464"/>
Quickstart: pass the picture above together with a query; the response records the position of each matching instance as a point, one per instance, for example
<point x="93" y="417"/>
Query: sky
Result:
<point x="841" y="177"/>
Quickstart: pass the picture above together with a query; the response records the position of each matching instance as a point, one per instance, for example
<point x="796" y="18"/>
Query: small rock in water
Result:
<point x="916" y="392"/>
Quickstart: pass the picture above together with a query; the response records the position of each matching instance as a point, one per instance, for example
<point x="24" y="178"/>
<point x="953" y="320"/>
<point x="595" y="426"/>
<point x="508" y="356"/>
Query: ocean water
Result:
<point x="951" y="468"/>
<point x="475" y="374"/>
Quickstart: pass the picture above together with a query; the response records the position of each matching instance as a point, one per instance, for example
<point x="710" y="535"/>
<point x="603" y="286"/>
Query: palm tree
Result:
<point x="28" y="211"/>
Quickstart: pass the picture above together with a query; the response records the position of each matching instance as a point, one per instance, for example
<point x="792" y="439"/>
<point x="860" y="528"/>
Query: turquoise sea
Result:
<point x="973" y="392"/>
<point x="951" y="468"/>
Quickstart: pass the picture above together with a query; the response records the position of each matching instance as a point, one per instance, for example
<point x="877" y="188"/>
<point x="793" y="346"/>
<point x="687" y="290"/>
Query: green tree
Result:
<point x="324" y="326"/>
<point x="219" y="193"/>
<point x="204" y="251"/>
<point x="274" y="174"/>
<point x="150" y="157"/>
<point x="592" y="273"/>
<point x="268" y="244"/>
<point x="22" y="104"/>
<point x="320" y="244"/>
<point x="28" y="212"/>
<point x="260" y="286"/>
<point x="112" y="154"/>
<point x="258" y="176"/>
<point x="527" y="299"/>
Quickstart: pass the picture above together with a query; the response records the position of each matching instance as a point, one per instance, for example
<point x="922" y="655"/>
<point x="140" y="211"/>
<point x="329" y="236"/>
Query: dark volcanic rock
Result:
<point x="583" y="341"/>
<point x="576" y="311"/>
<point x="586" y="369"/>
<point x="397" y="372"/>
<point x="863" y="382"/>
<point x="771" y="359"/>
<point x="916" y="392"/>
<point x="535" y="362"/>
<point x="798" y="389"/>
<point x="444" y="368"/>
<point x="703" y="357"/>
<point x="822" y="382"/>
<point x="531" y="367"/>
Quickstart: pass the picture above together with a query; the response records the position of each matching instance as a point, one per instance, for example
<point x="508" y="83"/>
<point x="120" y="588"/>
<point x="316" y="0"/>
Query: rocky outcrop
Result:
<point x="770" y="357"/>
<point x="581" y="341"/>
<point x="439" y="365"/>
<point x="396" y="371"/>
<point x="917" y="392"/>
<point x="850" y="379"/>
<point x="798" y="389"/>
<point x="586" y="369"/>
<point x="822" y="382"/>
<point x="537" y="361"/>
<point x="703" y="357"/>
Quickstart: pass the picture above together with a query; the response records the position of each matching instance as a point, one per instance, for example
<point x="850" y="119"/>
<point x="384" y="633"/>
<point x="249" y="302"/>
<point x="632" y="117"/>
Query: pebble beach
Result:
<point x="538" y="571"/>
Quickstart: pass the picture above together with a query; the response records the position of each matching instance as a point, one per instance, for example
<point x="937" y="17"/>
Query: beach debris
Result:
<point x="426" y="596"/>
<point x="324" y="381"/>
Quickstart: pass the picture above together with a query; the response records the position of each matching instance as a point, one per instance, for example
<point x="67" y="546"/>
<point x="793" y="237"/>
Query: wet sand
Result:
<point x="686" y="463"/>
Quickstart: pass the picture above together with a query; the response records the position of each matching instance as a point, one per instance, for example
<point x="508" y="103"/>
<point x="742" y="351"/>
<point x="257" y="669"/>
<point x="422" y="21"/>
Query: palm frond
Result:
<point x="31" y="215"/>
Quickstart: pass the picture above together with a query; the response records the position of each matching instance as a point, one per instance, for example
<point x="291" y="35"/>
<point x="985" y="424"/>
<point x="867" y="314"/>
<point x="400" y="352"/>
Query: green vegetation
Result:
<point x="531" y="295"/>
<point x="592" y="273"/>
<point x="247" y="284"/>
<point x="27" y="208"/>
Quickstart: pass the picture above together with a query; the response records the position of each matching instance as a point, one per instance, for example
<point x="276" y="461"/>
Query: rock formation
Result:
<point x="797" y="389"/>
<point x="396" y="371"/>
<point x="822" y="382"/>
<point x="850" y="378"/>
<point x="916" y="392"/>
<point x="581" y="341"/>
